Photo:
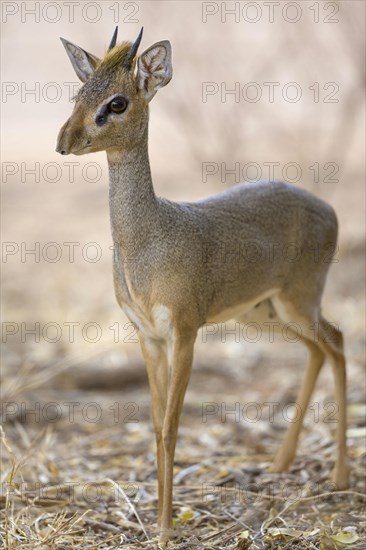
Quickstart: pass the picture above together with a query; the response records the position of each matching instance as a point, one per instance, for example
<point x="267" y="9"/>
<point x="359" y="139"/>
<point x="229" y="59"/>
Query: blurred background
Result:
<point x="203" y="137"/>
<point x="259" y="91"/>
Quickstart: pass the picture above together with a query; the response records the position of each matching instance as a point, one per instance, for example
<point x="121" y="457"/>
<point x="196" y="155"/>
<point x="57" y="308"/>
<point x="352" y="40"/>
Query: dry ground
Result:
<point x="87" y="479"/>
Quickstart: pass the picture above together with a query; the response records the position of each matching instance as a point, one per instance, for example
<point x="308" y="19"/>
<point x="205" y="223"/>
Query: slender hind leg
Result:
<point x="287" y="451"/>
<point x="331" y="339"/>
<point x="327" y="341"/>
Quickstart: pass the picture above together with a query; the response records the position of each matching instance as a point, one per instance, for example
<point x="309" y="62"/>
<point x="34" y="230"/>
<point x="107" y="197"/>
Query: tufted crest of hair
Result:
<point x="115" y="57"/>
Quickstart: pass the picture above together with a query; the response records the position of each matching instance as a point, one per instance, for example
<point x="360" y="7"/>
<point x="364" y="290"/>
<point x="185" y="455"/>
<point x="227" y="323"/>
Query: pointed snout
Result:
<point x="65" y="138"/>
<point x="71" y="138"/>
<point x="62" y="146"/>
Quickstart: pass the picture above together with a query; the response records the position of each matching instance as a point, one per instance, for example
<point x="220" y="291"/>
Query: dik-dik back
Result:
<point x="240" y="246"/>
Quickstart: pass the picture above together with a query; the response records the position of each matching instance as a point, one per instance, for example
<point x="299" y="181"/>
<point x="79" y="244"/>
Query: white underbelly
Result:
<point x="247" y="310"/>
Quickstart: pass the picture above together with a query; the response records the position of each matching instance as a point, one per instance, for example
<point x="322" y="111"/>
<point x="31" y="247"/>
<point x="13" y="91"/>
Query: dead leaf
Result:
<point x="345" y="538"/>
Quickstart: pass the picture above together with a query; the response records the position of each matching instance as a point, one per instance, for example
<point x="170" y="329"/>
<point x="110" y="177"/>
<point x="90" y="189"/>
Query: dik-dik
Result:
<point x="187" y="266"/>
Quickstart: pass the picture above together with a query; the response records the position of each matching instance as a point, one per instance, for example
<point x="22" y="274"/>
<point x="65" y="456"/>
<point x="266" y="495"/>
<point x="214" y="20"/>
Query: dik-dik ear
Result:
<point x="84" y="63"/>
<point x="154" y="68"/>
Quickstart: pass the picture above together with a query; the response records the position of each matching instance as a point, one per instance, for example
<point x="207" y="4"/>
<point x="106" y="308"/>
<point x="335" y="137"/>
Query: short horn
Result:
<point x="114" y="39"/>
<point x="127" y="64"/>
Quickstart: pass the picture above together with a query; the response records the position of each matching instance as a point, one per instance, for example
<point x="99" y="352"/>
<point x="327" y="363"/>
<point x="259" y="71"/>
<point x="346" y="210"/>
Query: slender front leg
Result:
<point x="157" y="371"/>
<point x="182" y="357"/>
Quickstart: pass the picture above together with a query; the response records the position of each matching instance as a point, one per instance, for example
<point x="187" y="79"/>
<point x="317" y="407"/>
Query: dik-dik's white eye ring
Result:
<point x="118" y="105"/>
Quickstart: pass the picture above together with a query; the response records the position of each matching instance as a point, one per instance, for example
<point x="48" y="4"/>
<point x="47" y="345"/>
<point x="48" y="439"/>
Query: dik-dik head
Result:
<point x="111" y="108"/>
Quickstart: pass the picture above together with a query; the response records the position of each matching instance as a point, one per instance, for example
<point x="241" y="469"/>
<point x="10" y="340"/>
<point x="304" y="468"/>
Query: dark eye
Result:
<point x="118" y="105"/>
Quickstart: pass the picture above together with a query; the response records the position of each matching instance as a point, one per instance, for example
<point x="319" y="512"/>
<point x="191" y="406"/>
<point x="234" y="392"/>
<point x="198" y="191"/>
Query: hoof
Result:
<point x="165" y="535"/>
<point x="280" y="465"/>
<point x="341" y="477"/>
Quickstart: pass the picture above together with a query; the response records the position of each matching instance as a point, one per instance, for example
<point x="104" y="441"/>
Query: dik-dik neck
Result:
<point x="132" y="200"/>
